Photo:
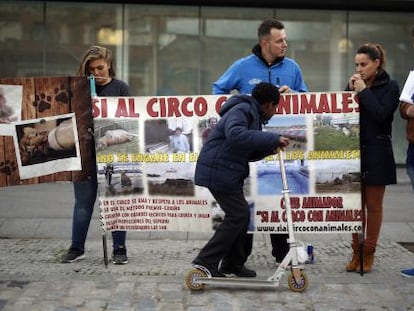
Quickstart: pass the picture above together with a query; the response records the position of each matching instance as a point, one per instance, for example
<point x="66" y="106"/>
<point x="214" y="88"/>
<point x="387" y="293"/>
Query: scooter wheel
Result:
<point x="192" y="276"/>
<point x="298" y="287"/>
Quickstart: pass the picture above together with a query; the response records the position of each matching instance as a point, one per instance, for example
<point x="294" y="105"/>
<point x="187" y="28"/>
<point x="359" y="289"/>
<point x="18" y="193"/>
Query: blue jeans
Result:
<point x="85" y="197"/>
<point x="410" y="163"/>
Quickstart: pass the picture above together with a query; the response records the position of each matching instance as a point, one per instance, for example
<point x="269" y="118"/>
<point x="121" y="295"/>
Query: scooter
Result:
<point x="199" y="276"/>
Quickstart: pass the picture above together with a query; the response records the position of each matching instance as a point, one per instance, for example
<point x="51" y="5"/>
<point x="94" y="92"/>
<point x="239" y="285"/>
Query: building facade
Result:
<point x="181" y="49"/>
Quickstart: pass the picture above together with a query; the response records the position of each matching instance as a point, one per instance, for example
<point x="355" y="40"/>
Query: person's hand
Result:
<point x="94" y="100"/>
<point x="283" y="142"/>
<point x="284" y="89"/>
<point x="356" y="83"/>
<point x="410" y="111"/>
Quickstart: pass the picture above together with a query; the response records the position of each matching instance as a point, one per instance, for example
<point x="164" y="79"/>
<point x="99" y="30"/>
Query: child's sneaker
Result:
<point x="408" y="273"/>
<point x="211" y="269"/>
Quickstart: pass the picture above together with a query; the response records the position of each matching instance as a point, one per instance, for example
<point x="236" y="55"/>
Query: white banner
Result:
<point x="147" y="149"/>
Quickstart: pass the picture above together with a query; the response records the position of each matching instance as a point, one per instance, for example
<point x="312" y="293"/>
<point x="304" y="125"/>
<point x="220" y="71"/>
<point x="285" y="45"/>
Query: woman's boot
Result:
<point x="369" y="252"/>
<point x="354" y="263"/>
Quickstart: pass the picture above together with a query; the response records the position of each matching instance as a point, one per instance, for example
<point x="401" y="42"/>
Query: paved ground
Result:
<point x="35" y="231"/>
<point x="31" y="278"/>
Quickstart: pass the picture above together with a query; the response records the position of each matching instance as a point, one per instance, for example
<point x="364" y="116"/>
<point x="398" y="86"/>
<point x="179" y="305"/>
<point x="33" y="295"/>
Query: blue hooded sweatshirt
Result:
<point x="245" y="73"/>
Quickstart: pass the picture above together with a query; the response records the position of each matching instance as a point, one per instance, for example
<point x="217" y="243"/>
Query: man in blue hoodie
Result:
<point x="222" y="167"/>
<point x="267" y="63"/>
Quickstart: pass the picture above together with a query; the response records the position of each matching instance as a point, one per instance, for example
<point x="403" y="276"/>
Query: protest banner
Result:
<point x="147" y="149"/>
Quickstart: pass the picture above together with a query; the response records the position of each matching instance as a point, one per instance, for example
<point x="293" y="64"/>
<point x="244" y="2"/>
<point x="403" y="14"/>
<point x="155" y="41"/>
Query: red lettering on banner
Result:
<point x="294" y="202"/>
<point x="334" y="105"/>
<point x="150" y="108"/>
<point x="357" y="101"/>
<point x="346" y="100"/>
<point x="184" y="108"/>
<point x="103" y="112"/>
<point x="171" y="107"/>
<point x="323" y="104"/>
<point x="264" y="216"/>
<point x="308" y="105"/>
<point x="200" y="106"/>
<point x="123" y="110"/>
<point x="322" y="202"/>
<point x="302" y="103"/>
<point x="220" y="101"/>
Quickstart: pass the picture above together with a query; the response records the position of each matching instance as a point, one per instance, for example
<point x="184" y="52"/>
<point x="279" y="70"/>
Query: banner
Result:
<point x="147" y="149"/>
<point x="45" y="130"/>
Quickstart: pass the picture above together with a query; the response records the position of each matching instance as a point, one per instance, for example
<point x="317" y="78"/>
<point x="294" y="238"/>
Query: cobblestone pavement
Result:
<point x="32" y="278"/>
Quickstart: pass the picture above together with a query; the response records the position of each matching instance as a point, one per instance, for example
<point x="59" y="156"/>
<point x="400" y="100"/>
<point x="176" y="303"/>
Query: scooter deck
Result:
<point x="236" y="281"/>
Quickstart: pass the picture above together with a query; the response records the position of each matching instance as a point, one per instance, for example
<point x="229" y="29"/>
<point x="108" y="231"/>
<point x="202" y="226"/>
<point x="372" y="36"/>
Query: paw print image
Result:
<point x="42" y="102"/>
<point x="62" y="94"/>
<point x="7" y="167"/>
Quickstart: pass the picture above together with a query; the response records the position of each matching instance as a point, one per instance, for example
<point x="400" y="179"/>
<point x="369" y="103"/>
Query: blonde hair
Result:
<point x="93" y="53"/>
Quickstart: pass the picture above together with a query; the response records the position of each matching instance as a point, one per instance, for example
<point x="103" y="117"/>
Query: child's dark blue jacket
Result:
<point x="238" y="139"/>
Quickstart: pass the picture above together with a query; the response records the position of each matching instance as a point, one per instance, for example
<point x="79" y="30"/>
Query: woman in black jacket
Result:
<point x="378" y="98"/>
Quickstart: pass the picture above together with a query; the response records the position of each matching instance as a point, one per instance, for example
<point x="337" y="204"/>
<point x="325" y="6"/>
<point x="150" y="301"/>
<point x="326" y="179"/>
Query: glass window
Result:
<point x="70" y="28"/>
<point x="163" y="46"/>
<point x="227" y="35"/>
<point x="314" y="42"/>
<point x="21" y="39"/>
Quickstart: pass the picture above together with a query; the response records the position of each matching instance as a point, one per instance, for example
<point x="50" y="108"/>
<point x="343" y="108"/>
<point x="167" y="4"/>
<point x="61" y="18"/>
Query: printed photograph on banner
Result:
<point x="170" y="178"/>
<point x="116" y="136"/>
<point x="336" y="154"/>
<point x="181" y="138"/>
<point x="205" y="127"/>
<point x="172" y="135"/>
<point x="116" y="179"/>
<point x="157" y="136"/>
<point x="269" y="181"/>
<point x="47" y="145"/>
<point x="10" y="107"/>
<point x="335" y="132"/>
<point x="292" y="127"/>
<point x="337" y="176"/>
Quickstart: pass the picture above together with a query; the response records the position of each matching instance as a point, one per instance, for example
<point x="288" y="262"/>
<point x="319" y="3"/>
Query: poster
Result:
<point x="45" y="130"/>
<point x="47" y="145"/>
<point x="147" y="148"/>
<point x="10" y="107"/>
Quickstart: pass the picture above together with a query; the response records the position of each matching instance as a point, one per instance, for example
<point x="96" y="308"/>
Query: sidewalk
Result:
<point x="35" y="231"/>
<point x="32" y="278"/>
